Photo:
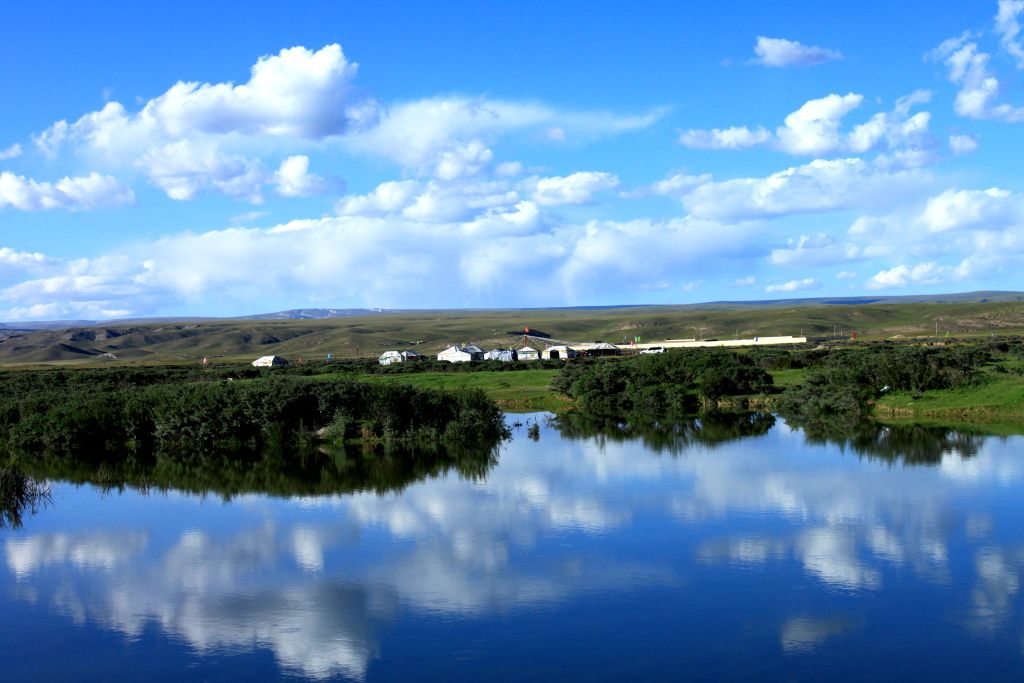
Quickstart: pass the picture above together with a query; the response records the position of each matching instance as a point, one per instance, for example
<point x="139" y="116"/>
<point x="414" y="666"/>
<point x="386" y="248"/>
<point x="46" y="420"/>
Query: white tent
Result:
<point x="389" y="357"/>
<point x="504" y="355"/>
<point x="269" y="362"/>
<point x="461" y="354"/>
<point x="559" y="352"/>
<point x="526" y="353"/>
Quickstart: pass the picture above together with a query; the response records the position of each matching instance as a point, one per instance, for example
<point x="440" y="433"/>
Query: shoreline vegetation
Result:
<point x="320" y="429"/>
<point x="354" y="425"/>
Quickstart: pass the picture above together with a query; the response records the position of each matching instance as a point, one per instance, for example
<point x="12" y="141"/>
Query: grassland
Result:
<point x="430" y="331"/>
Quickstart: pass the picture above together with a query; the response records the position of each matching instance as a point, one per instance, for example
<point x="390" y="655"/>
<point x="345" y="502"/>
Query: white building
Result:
<point x="559" y="352"/>
<point x="269" y="362"/>
<point x="389" y="357"/>
<point x="461" y="354"/>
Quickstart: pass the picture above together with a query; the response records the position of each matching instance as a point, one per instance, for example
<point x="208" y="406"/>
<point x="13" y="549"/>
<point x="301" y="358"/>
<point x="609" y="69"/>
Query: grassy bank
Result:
<point x="997" y="398"/>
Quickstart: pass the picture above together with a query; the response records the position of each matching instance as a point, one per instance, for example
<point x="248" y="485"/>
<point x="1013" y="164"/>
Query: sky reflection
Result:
<point x="557" y="527"/>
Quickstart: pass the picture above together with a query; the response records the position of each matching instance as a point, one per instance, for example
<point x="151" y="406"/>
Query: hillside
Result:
<point x="429" y="331"/>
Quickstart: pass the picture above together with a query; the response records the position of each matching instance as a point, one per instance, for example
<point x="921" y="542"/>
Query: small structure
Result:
<point x="526" y="353"/>
<point x="602" y="349"/>
<point x="269" y="362"/>
<point x="559" y="352"/>
<point x="461" y="354"/>
<point x="504" y="355"/>
<point x="389" y="357"/>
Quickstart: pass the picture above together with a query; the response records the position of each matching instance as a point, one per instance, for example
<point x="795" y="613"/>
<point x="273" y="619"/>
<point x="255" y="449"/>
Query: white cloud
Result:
<point x="962" y="144"/>
<point x="749" y="281"/>
<point x="293" y="178"/>
<point x="297" y="93"/>
<point x="450" y="137"/>
<point x="388" y="198"/>
<point x="813" y="250"/>
<point x="816" y="129"/>
<point x="737" y="137"/>
<point x="794" y="285"/>
<point x="678" y="185"/>
<point x="12" y="152"/>
<point x="821" y="185"/>
<point x="964" y="209"/>
<point x="846" y="275"/>
<point x="501" y="253"/>
<point x="978" y="97"/>
<point x="779" y="52"/>
<point x="922" y="274"/>
<point x="577" y="188"/>
<point x="1007" y="26"/>
<point x="11" y="260"/>
<point x="182" y="169"/>
<point x="82" y="193"/>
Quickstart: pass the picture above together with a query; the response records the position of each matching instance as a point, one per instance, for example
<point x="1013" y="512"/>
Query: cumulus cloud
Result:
<point x="779" y="52"/>
<point x="577" y="188"/>
<point x="846" y="275"/>
<point x="216" y="137"/>
<point x="794" y="285"/>
<point x="964" y="209"/>
<point x="953" y="236"/>
<point x="293" y="178"/>
<point x="816" y="129"/>
<point x="969" y="69"/>
<point x="821" y="185"/>
<point x="501" y="253"/>
<point x="1007" y="26"/>
<point x="962" y="144"/>
<point x="905" y="275"/>
<point x="737" y="137"/>
<point x="12" y="152"/>
<point x="296" y="93"/>
<point x="81" y="193"/>
<point x="450" y="137"/>
<point x="182" y="169"/>
<point x="676" y="185"/>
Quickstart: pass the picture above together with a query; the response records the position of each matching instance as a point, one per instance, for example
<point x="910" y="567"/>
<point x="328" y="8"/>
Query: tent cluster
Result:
<point x="470" y="353"/>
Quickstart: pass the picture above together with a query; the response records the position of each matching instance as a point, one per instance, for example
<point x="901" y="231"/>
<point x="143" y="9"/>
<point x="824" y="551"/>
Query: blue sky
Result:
<point x="237" y="158"/>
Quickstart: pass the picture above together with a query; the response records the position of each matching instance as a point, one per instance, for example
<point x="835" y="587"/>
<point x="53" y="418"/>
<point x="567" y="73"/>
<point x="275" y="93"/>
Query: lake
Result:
<point x="711" y="552"/>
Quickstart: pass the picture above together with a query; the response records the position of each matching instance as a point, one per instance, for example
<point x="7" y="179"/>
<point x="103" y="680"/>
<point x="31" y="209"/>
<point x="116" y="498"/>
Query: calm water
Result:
<point x="573" y="558"/>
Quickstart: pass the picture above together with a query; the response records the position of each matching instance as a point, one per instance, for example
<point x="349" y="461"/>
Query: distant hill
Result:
<point x="313" y="314"/>
<point x="959" y="298"/>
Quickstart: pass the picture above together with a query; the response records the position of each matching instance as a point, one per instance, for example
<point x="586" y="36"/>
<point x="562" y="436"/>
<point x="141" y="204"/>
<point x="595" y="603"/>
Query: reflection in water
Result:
<point x="803" y="634"/>
<point x="673" y="436"/>
<point x="20" y="495"/>
<point x="743" y="546"/>
<point x="326" y="470"/>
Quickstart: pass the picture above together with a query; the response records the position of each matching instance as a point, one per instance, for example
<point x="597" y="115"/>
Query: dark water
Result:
<point x="715" y="552"/>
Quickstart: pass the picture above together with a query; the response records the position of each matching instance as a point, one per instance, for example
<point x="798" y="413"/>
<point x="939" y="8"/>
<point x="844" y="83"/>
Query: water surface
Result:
<point x="716" y="552"/>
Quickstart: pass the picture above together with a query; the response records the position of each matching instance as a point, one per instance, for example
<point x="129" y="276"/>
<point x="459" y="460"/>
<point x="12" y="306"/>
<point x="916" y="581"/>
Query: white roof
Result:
<point x="527" y="349"/>
<point x="603" y="346"/>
